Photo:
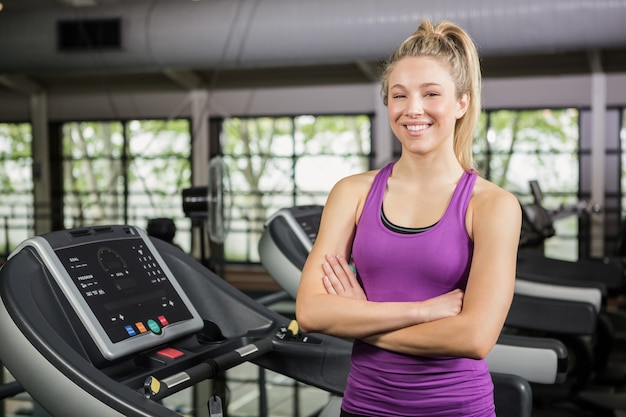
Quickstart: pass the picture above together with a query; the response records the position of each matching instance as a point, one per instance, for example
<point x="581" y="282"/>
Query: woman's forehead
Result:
<point x="422" y="70"/>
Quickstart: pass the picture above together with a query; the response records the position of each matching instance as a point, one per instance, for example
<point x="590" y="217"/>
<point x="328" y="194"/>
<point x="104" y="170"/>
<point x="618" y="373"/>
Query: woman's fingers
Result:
<point x="332" y="279"/>
<point x="341" y="276"/>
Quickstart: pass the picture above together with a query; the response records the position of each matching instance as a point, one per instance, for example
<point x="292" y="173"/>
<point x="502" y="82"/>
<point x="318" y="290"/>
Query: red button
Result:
<point x="163" y="320"/>
<point x="170" y="353"/>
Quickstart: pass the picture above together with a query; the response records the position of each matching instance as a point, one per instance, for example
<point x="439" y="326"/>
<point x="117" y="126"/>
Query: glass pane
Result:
<point x="92" y="140"/>
<point x="556" y="173"/>
<point x="94" y="192"/>
<point x="534" y="130"/>
<point x="256" y="173"/>
<point x="310" y="199"/>
<point x="480" y="145"/>
<point x="324" y="135"/>
<point x="16" y="167"/>
<point x="93" y="173"/>
<point x="158" y="171"/>
<point x="257" y="136"/>
<point x="534" y="145"/>
<point x="328" y="170"/>
<point x="159" y="138"/>
<point x="280" y="162"/>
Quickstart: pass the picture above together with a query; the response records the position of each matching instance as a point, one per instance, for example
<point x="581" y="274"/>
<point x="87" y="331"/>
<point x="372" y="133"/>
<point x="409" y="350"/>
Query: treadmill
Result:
<point x="107" y="321"/>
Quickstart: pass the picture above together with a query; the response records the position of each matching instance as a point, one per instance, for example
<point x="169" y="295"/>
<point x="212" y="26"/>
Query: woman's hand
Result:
<point x="446" y="305"/>
<point x="340" y="279"/>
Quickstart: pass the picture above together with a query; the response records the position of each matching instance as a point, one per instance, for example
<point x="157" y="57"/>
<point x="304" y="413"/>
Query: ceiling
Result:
<point x="51" y="75"/>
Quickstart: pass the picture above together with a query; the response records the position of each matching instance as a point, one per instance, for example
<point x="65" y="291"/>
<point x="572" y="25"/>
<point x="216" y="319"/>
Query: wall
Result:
<point x="532" y="92"/>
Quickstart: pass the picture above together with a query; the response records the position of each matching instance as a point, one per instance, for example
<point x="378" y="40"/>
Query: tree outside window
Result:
<point x="277" y="162"/>
<point x="16" y="209"/>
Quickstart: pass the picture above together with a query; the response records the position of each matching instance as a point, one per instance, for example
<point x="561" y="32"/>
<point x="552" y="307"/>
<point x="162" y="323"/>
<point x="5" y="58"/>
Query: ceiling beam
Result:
<point x="186" y="79"/>
<point x="370" y="69"/>
<point x="21" y="83"/>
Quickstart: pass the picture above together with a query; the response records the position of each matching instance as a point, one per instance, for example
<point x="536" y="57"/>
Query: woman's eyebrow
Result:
<point x="423" y="85"/>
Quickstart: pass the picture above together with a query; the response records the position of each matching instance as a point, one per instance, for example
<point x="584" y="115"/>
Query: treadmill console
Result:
<point x="286" y="242"/>
<point x="119" y="286"/>
<point x="302" y="221"/>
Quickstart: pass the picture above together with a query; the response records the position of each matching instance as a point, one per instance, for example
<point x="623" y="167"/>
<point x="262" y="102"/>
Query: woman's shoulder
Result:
<point x="494" y="216"/>
<point x="490" y="197"/>
<point x="350" y="192"/>
<point x="360" y="181"/>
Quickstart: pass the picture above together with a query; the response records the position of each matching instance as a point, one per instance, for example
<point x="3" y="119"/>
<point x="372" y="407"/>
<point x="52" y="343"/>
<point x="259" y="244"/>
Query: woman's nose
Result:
<point x="414" y="109"/>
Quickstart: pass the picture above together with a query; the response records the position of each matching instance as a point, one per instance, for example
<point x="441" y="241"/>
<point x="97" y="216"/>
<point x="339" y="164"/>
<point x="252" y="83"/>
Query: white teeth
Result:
<point x="416" y="128"/>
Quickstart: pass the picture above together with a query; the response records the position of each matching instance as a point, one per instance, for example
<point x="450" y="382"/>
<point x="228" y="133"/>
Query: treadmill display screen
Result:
<point x="125" y="286"/>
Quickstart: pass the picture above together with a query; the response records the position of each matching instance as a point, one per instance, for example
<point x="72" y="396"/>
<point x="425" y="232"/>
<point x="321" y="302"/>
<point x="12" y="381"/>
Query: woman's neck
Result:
<point x="429" y="169"/>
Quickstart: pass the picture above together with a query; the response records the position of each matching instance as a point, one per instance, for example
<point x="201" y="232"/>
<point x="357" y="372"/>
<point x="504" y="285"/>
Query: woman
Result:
<point x="434" y="245"/>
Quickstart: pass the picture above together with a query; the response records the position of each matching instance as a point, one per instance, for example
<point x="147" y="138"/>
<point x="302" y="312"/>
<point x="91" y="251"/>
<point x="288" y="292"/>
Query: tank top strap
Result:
<point x="463" y="193"/>
<point x="379" y="185"/>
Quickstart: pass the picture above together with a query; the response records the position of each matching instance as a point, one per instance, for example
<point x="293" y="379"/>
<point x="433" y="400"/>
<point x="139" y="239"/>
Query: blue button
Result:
<point x="130" y="330"/>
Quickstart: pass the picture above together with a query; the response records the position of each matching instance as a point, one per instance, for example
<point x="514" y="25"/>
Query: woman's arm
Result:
<point x="495" y="222"/>
<point x="343" y="316"/>
<point x="340" y="279"/>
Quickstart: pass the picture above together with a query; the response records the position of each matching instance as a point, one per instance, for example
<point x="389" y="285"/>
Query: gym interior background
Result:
<point x="110" y="109"/>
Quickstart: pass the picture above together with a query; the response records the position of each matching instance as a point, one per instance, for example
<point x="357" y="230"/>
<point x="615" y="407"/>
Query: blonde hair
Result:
<point x="448" y="43"/>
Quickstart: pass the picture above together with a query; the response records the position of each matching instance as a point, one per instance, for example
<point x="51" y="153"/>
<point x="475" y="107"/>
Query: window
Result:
<point x="16" y="209"/>
<point x="126" y="172"/>
<point x="93" y="173"/>
<point x="277" y="162"/>
<point x="515" y="147"/>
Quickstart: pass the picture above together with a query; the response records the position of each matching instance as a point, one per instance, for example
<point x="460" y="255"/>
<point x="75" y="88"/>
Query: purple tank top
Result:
<point x="411" y="267"/>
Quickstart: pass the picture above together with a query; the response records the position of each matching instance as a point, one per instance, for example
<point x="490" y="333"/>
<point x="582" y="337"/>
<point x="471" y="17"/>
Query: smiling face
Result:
<point x="422" y="104"/>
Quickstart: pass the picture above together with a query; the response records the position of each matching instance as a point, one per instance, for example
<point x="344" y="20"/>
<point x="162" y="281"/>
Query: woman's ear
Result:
<point x="462" y="104"/>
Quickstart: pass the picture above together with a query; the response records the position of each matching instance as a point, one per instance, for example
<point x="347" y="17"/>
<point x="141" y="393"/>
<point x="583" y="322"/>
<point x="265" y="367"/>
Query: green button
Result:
<point x="154" y="326"/>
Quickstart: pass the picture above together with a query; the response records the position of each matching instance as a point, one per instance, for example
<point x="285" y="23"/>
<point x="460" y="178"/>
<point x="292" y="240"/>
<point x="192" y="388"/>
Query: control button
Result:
<point x="163" y="320"/>
<point x="130" y="330"/>
<point x="154" y="326"/>
<point x="170" y="353"/>
<point x="141" y="327"/>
